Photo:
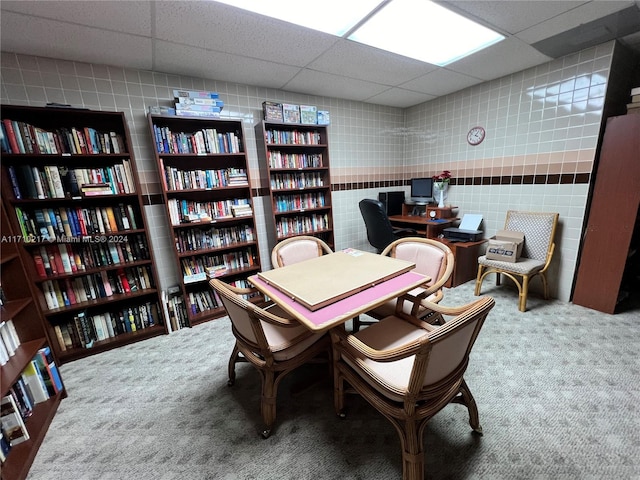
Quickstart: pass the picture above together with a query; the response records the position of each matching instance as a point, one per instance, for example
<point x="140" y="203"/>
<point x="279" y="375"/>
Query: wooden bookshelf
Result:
<point x="297" y="159"/>
<point x="207" y="191"/>
<point x="21" y="308"/>
<point x="70" y="184"/>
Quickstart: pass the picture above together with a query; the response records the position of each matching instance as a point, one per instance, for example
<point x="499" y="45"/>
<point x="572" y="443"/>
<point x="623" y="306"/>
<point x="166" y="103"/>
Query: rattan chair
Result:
<point x="296" y="249"/>
<point x="409" y="370"/>
<point x="273" y="344"/>
<point x="433" y="259"/>
<point x="539" y="229"/>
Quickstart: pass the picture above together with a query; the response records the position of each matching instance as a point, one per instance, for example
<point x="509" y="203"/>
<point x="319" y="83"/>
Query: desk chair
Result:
<point x="296" y="249"/>
<point x="537" y="251"/>
<point x="273" y="344"/>
<point x="409" y="370"/>
<point x="432" y="258"/>
<point x="380" y="232"/>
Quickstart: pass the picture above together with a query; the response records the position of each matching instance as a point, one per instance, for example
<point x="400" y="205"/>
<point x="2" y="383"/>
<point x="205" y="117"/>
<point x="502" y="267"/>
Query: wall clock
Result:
<point x="476" y="136"/>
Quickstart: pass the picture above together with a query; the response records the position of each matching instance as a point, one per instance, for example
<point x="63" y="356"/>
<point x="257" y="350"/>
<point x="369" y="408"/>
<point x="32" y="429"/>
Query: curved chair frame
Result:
<point x="432" y="292"/>
<point x="409" y="370"/>
<point x="311" y="247"/>
<point x="291" y="346"/>
<point x="534" y="262"/>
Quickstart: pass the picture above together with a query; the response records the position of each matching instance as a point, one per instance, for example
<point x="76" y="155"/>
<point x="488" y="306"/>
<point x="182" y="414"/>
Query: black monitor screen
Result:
<point x="422" y="189"/>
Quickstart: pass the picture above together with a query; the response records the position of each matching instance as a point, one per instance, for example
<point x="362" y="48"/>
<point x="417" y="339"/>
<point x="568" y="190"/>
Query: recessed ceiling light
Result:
<point x="425" y="31"/>
<point x="336" y="17"/>
<point x="418" y="29"/>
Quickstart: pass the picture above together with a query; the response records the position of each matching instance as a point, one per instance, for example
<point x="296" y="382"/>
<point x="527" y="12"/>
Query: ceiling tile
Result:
<point x="512" y="17"/>
<point x="505" y="57"/>
<point x="134" y="17"/>
<point x="399" y="97"/>
<point x="355" y="60"/>
<point x="222" y="28"/>
<point x="328" y="85"/>
<point x="566" y="21"/>
<point x="441" y="82"/>
<point x="187" y="60"/>
<point x="51" y="38"/>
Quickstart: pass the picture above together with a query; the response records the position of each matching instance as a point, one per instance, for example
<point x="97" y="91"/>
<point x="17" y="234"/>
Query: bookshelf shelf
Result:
<point x="297" y="160"/>
<point x="207" y="191"/>
<point x="20" y="308"/>
<point x="71" y="189"/>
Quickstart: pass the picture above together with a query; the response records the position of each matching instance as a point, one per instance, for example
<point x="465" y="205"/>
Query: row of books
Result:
<point x="61" y="258"/>
<point x="300" y="180"/>
<point x="290" y="203"/>
<point x="9" y="340"/>
<point x="106" y="283"/>
<point x="193" y="103"/>
<point x="177" y="179"/>
<point x="83" y="330"/>
<point x="53" y="181"/>
<point x="39" y="381"/>
<point x="302" y="225"/>
<point x="292" y="137"/>
<point x="204" y="141"/>
<point x="175" y="309"/>
<point x="278" y="159"/>
<point x="201" y="239"/>
<point x="187" y="211"/>
<point x="22" y="137"/>
<point x="203" y="300"/>
<point x="47" y="224"/>
<point x="227" y="261"/>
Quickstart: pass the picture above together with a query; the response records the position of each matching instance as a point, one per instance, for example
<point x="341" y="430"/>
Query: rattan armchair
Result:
<point x="539" y="229"/>
<point x="409" y="370"/>
<point x="296" y="249"/>
<point x="433" y="259"/>
<point x="273" y="344"/>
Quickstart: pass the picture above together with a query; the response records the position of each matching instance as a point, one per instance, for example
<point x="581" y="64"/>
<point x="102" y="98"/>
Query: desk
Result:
<point x="340" y="311"/>
<point x="465" y="266"/>
<point x="422" y="225"/>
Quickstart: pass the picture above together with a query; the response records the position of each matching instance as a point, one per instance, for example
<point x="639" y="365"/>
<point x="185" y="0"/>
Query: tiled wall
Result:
<point x="541" y="126"/>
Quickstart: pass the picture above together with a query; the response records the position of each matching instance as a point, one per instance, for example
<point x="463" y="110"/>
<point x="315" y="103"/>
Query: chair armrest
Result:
<point x="345" y="342"/>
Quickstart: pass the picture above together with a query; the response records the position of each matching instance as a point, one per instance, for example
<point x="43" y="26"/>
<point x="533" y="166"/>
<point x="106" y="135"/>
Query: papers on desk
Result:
<point x="470" y="221"/>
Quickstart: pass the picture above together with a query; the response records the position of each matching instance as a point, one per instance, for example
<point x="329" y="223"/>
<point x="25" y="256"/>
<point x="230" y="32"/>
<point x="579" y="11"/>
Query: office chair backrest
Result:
<point x="379" y="228"/>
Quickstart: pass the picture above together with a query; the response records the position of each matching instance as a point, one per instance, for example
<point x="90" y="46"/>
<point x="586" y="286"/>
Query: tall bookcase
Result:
<point x="297" y="159"/>
<point x="203" y="166"/>
<point x="71" y="189"/>
<point x="20" y="307"/>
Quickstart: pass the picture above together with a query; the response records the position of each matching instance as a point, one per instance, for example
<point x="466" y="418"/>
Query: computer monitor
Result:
<point x="422" y="191"/>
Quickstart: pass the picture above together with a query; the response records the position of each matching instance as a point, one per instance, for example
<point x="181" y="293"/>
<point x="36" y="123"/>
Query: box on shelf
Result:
<point x="308" y="114"/>
<point x="323" y="117"/>
<point x="272" y="111"/>
<point x="291" y="113"/>
<point x="505" y="246"/>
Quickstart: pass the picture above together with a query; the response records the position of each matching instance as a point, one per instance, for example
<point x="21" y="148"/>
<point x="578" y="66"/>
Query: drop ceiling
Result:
<point x="212" y="40"/>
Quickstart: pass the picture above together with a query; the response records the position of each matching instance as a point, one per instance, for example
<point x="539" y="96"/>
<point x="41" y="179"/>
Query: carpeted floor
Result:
<point x="557" y="387"/>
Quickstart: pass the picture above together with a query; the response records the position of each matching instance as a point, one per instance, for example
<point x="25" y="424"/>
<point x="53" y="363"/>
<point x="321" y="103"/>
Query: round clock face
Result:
<point x="432" y="214"/>
<point x="475" y="136"/>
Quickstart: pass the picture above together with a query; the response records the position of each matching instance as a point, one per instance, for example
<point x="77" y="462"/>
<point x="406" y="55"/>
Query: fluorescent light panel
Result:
<point x="417" y="29"/>
<point x="336" y="17"/>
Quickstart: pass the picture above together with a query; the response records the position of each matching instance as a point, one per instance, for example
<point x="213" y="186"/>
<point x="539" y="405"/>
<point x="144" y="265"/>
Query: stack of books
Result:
<point x="189" y="103"/>
<point x="242" y="210"/>
<point x="634" y="106"/>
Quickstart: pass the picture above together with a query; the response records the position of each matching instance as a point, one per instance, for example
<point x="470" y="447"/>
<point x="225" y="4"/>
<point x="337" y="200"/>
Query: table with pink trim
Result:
<point x="343" y="309"/>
